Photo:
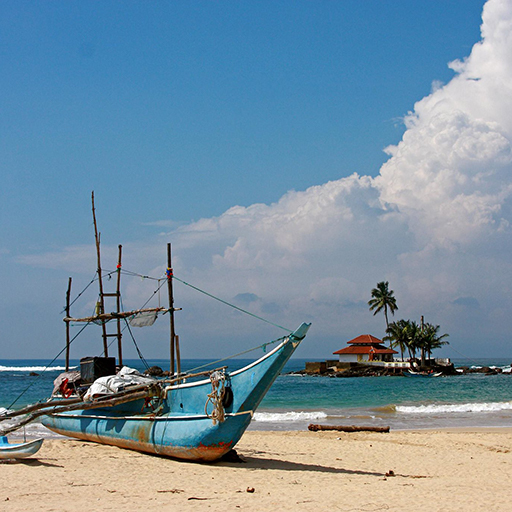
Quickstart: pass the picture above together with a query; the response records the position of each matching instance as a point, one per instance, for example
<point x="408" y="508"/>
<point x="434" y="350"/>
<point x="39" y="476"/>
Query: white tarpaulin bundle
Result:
<point x="115" y="383"/>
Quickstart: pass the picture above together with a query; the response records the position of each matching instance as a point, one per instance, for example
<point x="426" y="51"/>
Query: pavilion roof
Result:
<point x="365" y="339"/>
<point x="366" y="349"/>
<point x="364" y="344"/>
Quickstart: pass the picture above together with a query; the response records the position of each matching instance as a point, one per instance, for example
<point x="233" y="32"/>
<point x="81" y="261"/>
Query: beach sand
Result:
<point x="321" y="471"/>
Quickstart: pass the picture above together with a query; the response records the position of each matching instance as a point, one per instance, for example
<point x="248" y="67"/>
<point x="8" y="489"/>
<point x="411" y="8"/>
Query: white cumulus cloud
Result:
<point x="435" y="223"/>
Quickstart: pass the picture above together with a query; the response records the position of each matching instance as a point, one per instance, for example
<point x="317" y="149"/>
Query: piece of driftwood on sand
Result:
<point x="346" y="428"/>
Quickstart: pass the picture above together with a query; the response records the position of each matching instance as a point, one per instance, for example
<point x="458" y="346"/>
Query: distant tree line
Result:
<point x="416" y="339"/>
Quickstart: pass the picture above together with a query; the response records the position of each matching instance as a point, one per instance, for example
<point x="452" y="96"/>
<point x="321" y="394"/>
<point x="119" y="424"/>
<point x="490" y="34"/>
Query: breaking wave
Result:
<point x="288" y="416"/>
<point x="455" y="408"/>
<point x="31" y="368"/>
<point x="386" y="409"/>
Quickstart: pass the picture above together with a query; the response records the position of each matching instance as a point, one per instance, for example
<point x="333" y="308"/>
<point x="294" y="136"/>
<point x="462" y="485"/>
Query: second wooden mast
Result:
<point x="100" y="307"/>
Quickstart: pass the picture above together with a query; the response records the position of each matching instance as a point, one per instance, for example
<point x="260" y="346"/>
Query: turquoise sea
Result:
<point x="294" y="401"/>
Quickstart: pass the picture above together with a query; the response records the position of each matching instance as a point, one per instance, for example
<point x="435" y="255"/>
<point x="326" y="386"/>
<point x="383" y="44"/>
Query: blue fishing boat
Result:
<point x="195" y="415"/>
<point x="18" y="450"/>
<point x="199" y="420"/>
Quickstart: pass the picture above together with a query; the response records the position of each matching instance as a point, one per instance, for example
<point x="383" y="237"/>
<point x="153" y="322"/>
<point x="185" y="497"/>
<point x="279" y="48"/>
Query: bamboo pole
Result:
<point x="36" y="407"/>
<point x="68" y="342"/>
<point x="112" y="316"/>
<point x="118" y="303"/>
<point x="100" y="280"/>
<point x="177" y="380"/>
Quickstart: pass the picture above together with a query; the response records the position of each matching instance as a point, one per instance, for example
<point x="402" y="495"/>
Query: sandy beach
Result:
<point x="448" y="471"/>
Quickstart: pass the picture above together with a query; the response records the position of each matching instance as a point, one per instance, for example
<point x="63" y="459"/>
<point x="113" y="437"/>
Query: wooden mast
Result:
<point x="101" y="301"/>
<point x="68" y="294"/>
<point x="118" y="303"/>
<point x="171" y="306"/>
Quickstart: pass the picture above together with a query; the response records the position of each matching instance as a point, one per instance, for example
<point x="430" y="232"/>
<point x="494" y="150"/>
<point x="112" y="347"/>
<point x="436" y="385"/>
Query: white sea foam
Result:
<point x="288" y="416"/>
<point x="455" y="408"/>
<point x="32" y="430"/>
<point x="32" y="368"/>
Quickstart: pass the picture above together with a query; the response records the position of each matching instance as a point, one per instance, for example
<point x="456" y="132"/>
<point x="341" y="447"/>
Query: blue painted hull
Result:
<point x="20" y="450"/>
<point x="182" y="429"/>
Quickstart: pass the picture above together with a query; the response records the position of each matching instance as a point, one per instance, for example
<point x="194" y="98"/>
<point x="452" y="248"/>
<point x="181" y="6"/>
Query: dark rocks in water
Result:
<point x="482" y="369"/>
<point x="361" y="370"/>
<point x="354" y="371"/>
<point x="486" y="370"/>
<point x="154" y="371"/>
<point x="34" y="374"/>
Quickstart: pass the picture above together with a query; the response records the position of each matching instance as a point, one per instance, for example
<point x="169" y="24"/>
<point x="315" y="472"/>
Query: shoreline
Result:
<point x="285" y="470"/>
<point x="37" y="430"/>
<point x="16" y="437"/>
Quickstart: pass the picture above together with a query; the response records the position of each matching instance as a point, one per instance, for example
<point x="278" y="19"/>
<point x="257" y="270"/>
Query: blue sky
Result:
<point x="175" y="112"/>
<point x="180" y="110"/>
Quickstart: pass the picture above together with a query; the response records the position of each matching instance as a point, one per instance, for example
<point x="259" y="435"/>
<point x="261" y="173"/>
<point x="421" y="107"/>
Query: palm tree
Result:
<point x="422" y="341"/>
<point x="397" y="335"/>
<point x="432" y="339"/>
<point x="382" y="299"/>
<point x="404" y="334"/>
<point x="410" y="336"/>
<point x="413" y="338"/>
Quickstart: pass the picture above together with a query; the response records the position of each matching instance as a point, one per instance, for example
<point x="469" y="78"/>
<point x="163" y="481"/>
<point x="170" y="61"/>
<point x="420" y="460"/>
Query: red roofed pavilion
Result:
<point x="365" y="348"/>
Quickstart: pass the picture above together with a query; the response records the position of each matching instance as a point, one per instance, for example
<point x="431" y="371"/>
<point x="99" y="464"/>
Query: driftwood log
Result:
<point x="346" y="428"/>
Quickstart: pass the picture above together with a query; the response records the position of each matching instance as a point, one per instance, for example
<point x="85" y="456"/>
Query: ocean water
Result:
<point x="294" y="401"/>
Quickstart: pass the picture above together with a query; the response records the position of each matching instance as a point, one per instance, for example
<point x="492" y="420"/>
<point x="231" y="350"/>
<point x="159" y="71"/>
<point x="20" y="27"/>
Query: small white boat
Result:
<point x="410" y="373"/>
<point x="18" y="450"/>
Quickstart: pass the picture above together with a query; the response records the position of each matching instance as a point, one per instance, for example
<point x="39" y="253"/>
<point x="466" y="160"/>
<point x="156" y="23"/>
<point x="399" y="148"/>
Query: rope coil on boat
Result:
<point x="218" y="380"/>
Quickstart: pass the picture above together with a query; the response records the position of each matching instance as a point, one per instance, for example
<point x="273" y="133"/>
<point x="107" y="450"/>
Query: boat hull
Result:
<point x="183" y="427"/>
<point x="421" y="375"/>
<point x="187" y="438"/>
<point x="18" y="451"/>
